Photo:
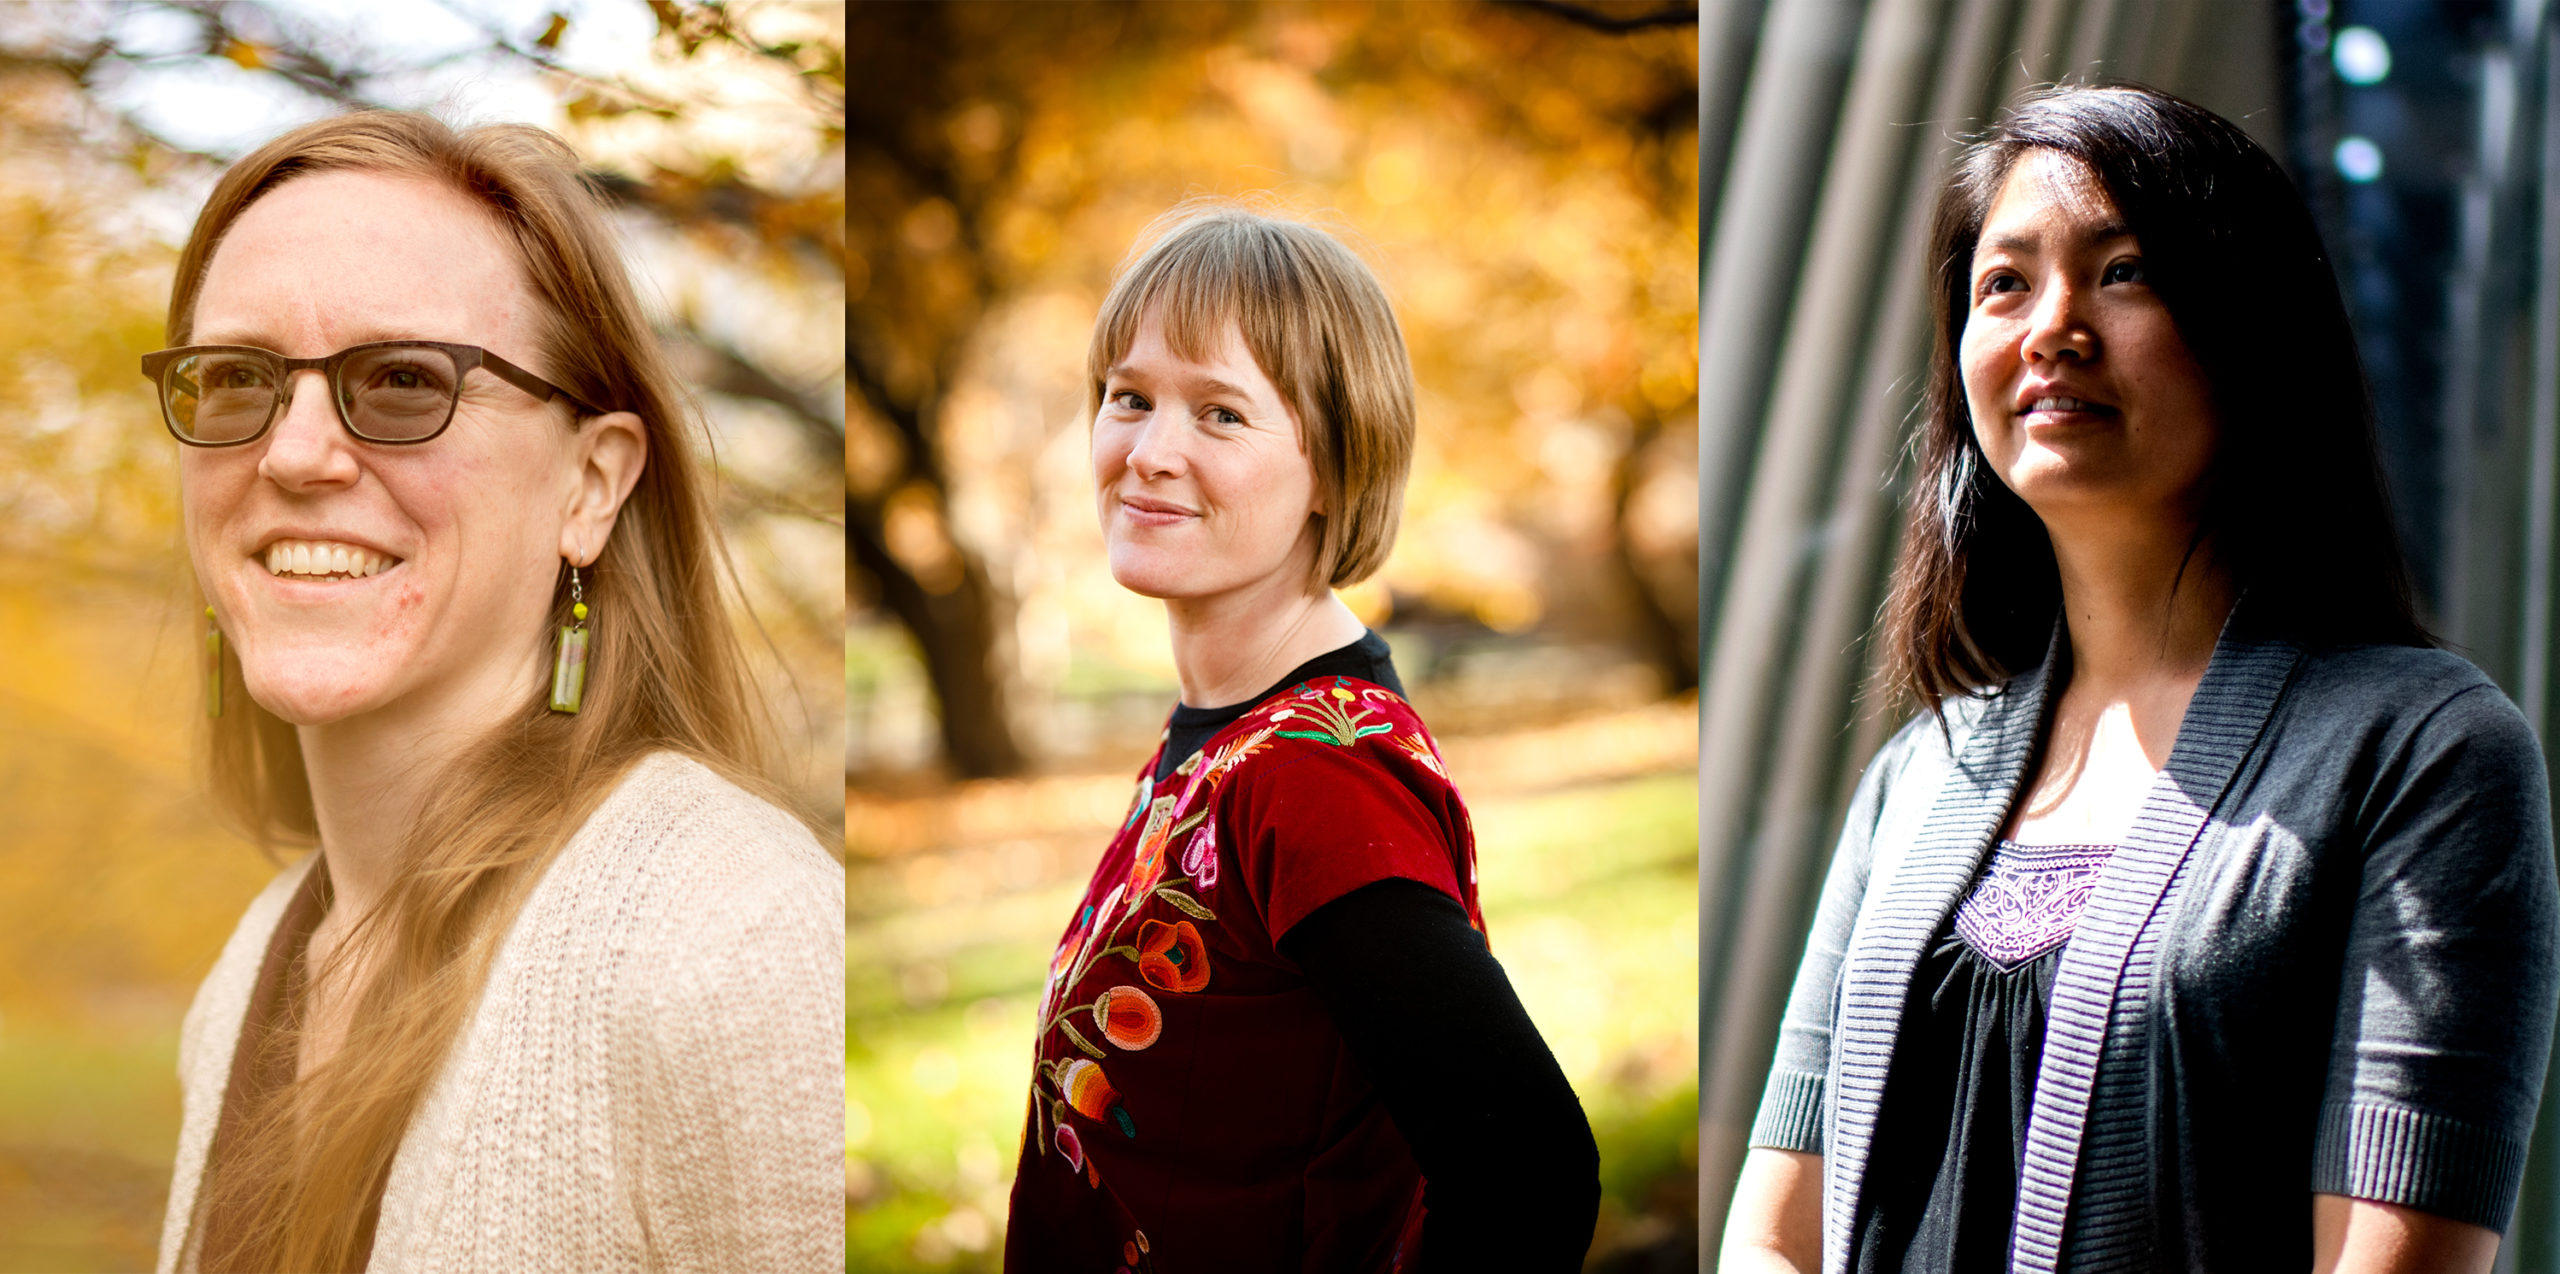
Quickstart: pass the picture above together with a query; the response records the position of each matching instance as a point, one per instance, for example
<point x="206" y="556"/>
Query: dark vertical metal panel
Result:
<point x="1728" y="32"/>
<point x="2095" y="46"/>
<point x="2533" y="672"/>
<point x="2533" y="1239"/>
<point x="1751" y="264"/>
<point x="1799" y="443"/>
<point x="2039" y="48"/>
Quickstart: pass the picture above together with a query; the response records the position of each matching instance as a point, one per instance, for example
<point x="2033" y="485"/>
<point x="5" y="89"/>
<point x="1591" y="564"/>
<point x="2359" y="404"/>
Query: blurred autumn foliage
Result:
<point x="1522" y="177"/>
<point x="716" y="131"/>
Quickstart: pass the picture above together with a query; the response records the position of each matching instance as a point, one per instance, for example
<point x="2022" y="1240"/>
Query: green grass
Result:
<point x="1590" y="896"/>
<point x="87" y="1132"/>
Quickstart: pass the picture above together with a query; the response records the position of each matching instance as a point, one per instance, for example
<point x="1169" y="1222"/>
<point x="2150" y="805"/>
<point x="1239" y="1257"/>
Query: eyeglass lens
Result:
<point x="386" y="394"/>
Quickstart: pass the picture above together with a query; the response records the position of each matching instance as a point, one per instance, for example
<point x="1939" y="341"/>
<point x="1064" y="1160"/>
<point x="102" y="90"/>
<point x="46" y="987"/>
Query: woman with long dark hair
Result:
<point x="2206" y="917"/>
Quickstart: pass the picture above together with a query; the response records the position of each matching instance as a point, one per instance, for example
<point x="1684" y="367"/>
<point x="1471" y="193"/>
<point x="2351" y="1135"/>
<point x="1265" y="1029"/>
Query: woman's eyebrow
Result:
<point x="267" y="340"/>
<point x="1217" y="388"/>
<point x="1208" y="385"/>
<point x="2106" y="232"/>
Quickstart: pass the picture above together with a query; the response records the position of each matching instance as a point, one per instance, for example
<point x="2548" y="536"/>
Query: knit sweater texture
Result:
<point x="2324" y="959"/>
<point x="654" y="1074"/>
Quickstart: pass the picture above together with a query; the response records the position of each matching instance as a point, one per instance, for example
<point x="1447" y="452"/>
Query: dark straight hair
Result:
<point x="2294" y="506"/>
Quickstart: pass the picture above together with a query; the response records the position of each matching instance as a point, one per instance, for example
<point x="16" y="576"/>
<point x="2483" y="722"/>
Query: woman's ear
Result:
<point x="610" y="452"/>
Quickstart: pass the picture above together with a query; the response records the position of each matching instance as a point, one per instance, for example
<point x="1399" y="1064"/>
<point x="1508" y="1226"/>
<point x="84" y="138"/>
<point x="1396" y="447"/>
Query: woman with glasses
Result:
<point x="561" y="987"/>
<point x="2205" y="919"/>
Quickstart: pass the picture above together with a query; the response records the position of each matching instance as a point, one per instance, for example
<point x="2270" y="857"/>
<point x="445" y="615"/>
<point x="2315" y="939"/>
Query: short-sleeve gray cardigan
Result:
<point x="2322" y="961"/>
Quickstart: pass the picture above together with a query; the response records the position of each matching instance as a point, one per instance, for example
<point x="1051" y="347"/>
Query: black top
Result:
<point x="1943" y="1182"/>
<point x="1368" y="659"/>
<point x="1511" y="1175"/>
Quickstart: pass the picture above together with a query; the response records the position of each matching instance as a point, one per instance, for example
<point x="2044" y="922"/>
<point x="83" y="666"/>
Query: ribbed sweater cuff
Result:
<point x="2391" y="1154"/>
<point x="1790" y="1113"/>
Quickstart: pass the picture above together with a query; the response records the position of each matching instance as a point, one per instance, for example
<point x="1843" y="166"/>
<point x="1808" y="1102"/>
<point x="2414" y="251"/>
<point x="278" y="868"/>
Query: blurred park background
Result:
<point x="2426" y="135"/>
<point x="1523" y="179"/>
<point x="717" y="130"/>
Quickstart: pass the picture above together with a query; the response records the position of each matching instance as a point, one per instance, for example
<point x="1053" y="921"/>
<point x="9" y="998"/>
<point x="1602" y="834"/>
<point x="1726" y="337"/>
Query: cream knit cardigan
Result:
<point x="653" y="1078"/>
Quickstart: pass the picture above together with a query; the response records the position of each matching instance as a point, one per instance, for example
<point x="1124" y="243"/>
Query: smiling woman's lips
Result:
<point x="1159" y="515"/>
<point x="315" y="561"/>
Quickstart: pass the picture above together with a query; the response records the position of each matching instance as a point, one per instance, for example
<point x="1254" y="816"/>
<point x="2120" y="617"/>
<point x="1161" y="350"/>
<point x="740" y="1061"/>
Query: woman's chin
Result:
<point x="313" y="697"/>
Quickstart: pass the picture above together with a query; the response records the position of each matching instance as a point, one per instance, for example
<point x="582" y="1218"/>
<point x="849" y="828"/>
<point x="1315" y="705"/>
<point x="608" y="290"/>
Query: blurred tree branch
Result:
<point x="1675" y="15"/>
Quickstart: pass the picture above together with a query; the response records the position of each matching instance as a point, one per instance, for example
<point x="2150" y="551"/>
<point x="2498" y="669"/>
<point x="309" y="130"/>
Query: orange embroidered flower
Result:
<point x="1172" y="957"/>
<point x="1093" y="1097"/>
<point x="1147" y="867"/>
<point x="1128" y="1017"/>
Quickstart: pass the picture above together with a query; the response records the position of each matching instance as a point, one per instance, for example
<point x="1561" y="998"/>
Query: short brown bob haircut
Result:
<point x="1317" y="323"/>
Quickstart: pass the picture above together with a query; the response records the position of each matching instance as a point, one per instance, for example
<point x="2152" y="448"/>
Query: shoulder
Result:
<point x="699" y="879"/>
<point x="2400" y="696"/>
<point x="1325" y="729"/>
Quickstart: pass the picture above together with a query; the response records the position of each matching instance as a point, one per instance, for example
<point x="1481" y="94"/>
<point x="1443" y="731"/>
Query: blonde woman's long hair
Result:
<point x="667" y="675"/>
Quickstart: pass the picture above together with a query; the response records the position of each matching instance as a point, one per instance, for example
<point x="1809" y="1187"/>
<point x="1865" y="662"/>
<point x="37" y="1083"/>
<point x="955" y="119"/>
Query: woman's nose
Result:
<point x="306" y="446"/>
<point x="2056" y="328"/>
<point x="1156" y="450"/>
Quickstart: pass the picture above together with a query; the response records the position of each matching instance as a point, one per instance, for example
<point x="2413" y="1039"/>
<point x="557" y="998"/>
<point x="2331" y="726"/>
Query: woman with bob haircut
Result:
<point x="1273" y="1037"/>
<point x="560" y="988"/>
<point x="2206" y="919"/>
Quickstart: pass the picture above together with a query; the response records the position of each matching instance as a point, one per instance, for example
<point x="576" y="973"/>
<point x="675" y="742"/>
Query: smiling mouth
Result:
<point x="2057" y="404"/>
<point x="325" y="560"/>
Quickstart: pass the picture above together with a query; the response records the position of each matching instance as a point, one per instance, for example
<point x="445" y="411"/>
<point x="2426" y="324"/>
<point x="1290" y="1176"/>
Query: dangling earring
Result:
<point x="212" y="665"/>
<point x="569" y="667"/>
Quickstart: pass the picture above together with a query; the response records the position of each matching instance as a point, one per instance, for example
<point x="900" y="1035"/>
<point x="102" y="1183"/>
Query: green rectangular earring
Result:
<point x="212" y="665"/>
<point x="569" y="666"/>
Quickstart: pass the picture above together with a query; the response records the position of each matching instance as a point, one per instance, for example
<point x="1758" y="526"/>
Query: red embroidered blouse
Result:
<point x="1192" y="1106"/>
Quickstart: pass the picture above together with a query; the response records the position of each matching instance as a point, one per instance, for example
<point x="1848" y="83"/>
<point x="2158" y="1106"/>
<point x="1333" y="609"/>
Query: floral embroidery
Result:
<point x="1332" y="724"/>
<point x="1146" y="789"/>
<point x="2029" y="899"/>
<point x="1128" y="1017"/>
<point x="1420" y="749"/>
<point x="1148" y="867"/>
<point x="1233" y="754"/>
<point x="1133" y="1255"/>
<point x="1172" y="956"/>
<point x="1090" y="1093"/>
<point x="1200" y="857"/>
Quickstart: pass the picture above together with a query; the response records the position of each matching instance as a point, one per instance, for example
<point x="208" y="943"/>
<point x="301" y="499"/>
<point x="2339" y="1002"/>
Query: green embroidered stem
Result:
<point x="1078" y="1039"/>
<point x="1185" y="903"/>
<point x="1337" y="727"/>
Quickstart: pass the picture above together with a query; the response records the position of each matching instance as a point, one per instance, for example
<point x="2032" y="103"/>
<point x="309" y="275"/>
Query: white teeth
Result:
<point x="324" y="558"/>
<point x="2059" y="404"/>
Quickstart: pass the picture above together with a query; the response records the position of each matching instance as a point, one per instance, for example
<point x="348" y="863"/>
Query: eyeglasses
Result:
<point x="394" y="392"/>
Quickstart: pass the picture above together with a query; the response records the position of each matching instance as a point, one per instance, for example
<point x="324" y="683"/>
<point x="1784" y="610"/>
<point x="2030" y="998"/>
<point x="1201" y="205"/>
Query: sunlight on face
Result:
<point x="2085" y="398"/>
<point x="464" y="531"/>
<point x="1204" y="491"/>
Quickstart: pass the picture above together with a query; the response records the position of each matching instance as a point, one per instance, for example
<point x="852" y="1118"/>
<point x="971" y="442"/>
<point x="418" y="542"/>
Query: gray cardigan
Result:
<point x="2322" y="961"/>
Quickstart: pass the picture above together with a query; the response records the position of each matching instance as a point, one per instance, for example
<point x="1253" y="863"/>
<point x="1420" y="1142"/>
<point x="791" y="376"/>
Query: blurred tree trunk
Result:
<point x="920" y="213"/>
<point x="1667" y="628"/>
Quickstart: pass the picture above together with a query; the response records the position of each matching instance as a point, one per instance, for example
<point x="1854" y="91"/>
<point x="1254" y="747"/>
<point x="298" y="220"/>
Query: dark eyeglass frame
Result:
<point x="161" y="367"/>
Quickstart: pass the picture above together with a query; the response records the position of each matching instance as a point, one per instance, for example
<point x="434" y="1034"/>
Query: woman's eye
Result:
<point x="1225" y="417"/>
<point x="2123" y="272"/>
<point x="1128" y="399"/>
<point x="2003" y="282"/>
